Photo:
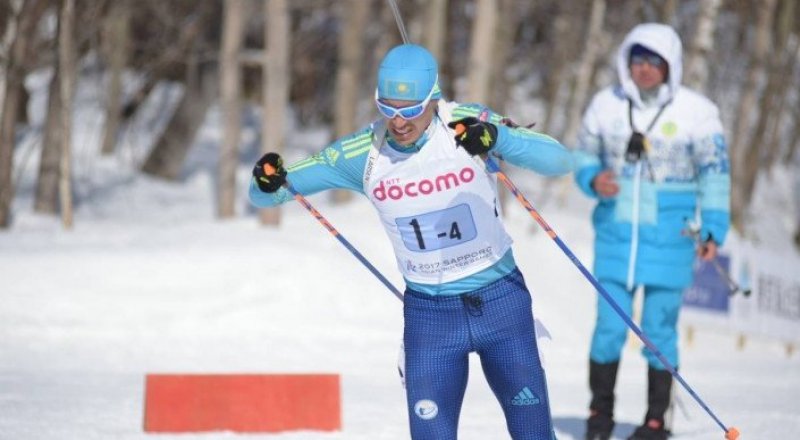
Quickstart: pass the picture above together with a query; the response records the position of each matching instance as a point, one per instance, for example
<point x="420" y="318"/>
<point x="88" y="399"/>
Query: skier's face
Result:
<point x="648" y="72"/>
<point x="407" y="131"/>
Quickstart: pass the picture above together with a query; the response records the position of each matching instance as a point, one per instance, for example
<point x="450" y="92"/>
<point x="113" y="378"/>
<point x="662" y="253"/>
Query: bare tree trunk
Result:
<point x="201" y="85"/>
<point x="794" y="138"/>
<point x="66" y="64"/>
<point x="15" y="73"/>
<point x="353" y="16"/>
<point x="744" y="154"/>
<point x="7" y="41"/>
<point x="583" y="78"/>
<point x="168" y="154"/>
<point x="481" y="46"/>
<point x="499" y="84"/>
<point x="787" y="18"/>
<point x="46" y="199"/>
<point x="781" y="78"/>
<point x="230" y="80"/>
<point x="117" y="30"/>
<point x="667" y="10"/>
<point x="161" y="68"/>
<point x="790" y="47"/>
<point x="435" y="29"/>
<point x="276" y="87"/>
<point x="696" y="72"/>
<point x="556" y="68"/>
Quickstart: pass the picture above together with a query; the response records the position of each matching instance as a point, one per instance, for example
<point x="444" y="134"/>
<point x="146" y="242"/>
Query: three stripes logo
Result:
<point x="525" y="397"/>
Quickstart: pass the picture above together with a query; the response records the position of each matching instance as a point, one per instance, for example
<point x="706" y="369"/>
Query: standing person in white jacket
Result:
<point x="653" y="153"/>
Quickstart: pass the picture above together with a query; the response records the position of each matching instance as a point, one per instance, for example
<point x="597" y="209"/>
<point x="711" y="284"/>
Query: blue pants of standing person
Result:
<point x="496" y="322"/>
<point x="660" y="310"/>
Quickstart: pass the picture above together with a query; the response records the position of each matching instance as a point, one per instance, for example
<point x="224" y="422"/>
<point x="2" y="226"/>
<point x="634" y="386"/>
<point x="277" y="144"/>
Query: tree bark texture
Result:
<point x="117" y="32"/>
<point x="230" y="80"/>
<point x="586" y="68"/>
<point x="168" y="154"/>
<point x="556" y="75"/>
<point x="745" y="149"/>
<point x="46" y="198"/>
<point x="504" y="40"/>
<point x="15" y="72"/>
<point x="435" y="29"/>
<point x="482" y="43"/>
<point x="696" y="72"/>
<point x="353" y="16"/>
<point x="67" y="69"/>
<point x="276" y="88"/>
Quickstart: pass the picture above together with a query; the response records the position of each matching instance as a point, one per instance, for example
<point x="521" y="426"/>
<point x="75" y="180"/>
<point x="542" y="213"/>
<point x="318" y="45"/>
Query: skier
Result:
<point x="652" y="152"/>
<point x="438" y="205"/>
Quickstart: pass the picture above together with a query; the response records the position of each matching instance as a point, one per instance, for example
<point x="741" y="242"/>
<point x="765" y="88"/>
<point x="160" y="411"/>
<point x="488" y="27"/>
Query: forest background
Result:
<point x="285" y="66"/>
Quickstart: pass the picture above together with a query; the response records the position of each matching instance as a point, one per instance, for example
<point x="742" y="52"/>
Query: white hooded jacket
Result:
<point x="639" y="231"/>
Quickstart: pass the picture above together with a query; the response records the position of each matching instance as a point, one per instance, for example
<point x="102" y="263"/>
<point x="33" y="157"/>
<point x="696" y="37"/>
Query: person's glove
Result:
<point x="473" y="135"/>
<point x="269" y="172"/>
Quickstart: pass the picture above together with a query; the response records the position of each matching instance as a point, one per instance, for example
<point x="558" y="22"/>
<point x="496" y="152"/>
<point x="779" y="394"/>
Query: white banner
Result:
<point x="771" y="310"/>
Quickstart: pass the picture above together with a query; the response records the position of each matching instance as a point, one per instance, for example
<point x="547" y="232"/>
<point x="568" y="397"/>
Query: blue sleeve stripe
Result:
<point x="464" y="112"/>
<point x="357" y="142"/>
<point x="527" y="132"/>
<point x="359" y="152"/>
<point x="473" y="110"/>
<point x="305" y="163"/>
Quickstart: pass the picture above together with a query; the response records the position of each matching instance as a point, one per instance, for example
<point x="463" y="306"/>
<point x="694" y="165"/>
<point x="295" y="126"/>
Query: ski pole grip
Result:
<point x="732" y="434"/>
<point x="490" y="164"/>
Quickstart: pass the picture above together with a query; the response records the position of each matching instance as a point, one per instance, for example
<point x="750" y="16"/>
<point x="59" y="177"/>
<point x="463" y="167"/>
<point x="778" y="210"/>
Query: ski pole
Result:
<point x="730" y="433"/>
<point x="270" y="170"/>
<point x="733" y="286"/>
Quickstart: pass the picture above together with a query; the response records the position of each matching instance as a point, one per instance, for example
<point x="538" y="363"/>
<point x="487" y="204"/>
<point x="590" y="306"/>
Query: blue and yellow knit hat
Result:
<point x="408" y="72"/>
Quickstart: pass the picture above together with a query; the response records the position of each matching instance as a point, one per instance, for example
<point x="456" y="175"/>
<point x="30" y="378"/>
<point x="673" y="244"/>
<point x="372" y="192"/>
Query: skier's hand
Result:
<point x="475" y="136"/>
<point x="605" y="184"/>
<point x="269" y="172"/>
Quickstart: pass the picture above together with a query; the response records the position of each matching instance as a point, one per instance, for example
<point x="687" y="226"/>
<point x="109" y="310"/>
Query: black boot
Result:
<point x="659" y="390"/>
<point x="602" y="379"/>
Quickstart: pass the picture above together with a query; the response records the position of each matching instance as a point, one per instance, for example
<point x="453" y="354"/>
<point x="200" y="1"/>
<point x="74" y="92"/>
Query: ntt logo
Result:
<point x="424" y="186"/>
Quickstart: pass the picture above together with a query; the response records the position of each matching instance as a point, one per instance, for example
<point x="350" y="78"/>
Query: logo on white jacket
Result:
<point x="394" y="190"/>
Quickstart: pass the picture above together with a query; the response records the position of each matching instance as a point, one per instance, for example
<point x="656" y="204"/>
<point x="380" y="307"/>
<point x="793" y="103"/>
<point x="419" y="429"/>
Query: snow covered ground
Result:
<point x="150" y="282"/>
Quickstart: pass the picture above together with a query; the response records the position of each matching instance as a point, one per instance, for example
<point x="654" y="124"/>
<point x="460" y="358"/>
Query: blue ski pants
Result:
<point x="660" y="310"/>
<point x="496" y="322"/>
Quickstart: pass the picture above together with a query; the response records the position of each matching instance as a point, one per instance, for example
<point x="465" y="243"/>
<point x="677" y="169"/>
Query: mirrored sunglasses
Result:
<point x="407" y="113"/>
<point x="651" y="59"/>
